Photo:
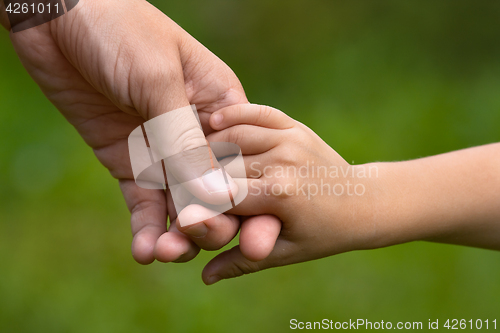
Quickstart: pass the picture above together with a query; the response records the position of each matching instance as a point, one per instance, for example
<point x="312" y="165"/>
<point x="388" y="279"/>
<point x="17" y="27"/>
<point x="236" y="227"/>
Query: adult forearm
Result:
<point x="450" y="198"/>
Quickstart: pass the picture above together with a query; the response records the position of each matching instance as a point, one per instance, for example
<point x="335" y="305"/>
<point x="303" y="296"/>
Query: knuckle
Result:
<point x="162" y="75"/>
<point x="297" y="135"/>
<point x="238" y="113"/>
<point x="263" y="114"/>
<point x="288" y="155"/>
<point x="243" y="267"/>
<point x="148" y="85"/>
<point x="234" y="135"/>
<point x="190" y="139"/>
<point x="282" y="188"/>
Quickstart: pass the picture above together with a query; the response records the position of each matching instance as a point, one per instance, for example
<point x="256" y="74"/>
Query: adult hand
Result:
<point x="109" y="65"/>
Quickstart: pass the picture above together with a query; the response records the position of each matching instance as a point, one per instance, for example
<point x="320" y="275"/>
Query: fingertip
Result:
<point x="143" y="249"/>
<point x="212" y="279"/>
<point x="210" y="230"/>
<point x="193" y="215"/>
<point x="219" y="187"/>
<point x="197" y="230"/>
<point x="258" y="236"/>
<point x="216" y="120"/>
<point x="172" y="247"/>
<point x="190" y="255"/>
<point x="210" y="273"/>
<point x="228" y="264"/>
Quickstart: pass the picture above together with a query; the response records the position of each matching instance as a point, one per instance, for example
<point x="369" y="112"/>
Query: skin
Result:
<point x="107" y="74"/>
<point x="450" y="198"/>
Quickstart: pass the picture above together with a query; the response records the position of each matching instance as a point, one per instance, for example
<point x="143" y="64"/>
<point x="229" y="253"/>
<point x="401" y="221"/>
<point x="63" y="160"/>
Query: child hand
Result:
<point x="294" y="175"/>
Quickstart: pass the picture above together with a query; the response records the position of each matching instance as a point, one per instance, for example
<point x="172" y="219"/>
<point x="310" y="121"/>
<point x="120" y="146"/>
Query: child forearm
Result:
<point x="449" y="198"/>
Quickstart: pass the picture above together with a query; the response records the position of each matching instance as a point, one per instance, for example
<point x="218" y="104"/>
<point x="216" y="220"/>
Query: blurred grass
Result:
<point x="385" y="80"/>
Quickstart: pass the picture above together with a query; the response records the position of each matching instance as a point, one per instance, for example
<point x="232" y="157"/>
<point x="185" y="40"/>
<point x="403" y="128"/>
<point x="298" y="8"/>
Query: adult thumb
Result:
<point x="191" y="170"/>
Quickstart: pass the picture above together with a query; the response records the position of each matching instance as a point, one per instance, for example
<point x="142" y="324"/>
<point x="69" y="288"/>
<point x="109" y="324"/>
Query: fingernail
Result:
<point x="214" y="181"/>
<point x="213" y="279"/>
<point x="198" y="230"/>
<point x="217" y="118"/>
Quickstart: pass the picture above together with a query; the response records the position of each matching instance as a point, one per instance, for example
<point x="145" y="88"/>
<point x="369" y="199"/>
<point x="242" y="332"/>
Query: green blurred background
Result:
<point x="377" y="80"/>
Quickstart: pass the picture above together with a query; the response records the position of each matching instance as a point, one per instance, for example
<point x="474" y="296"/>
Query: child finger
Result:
<point x="251" y="114"/>
<point x="257" y="201"/>
<point x="233" y="263"/>
<point x="251" y="139"/>
<point x="255" y="166"/>
<point x="258" y="235"/>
